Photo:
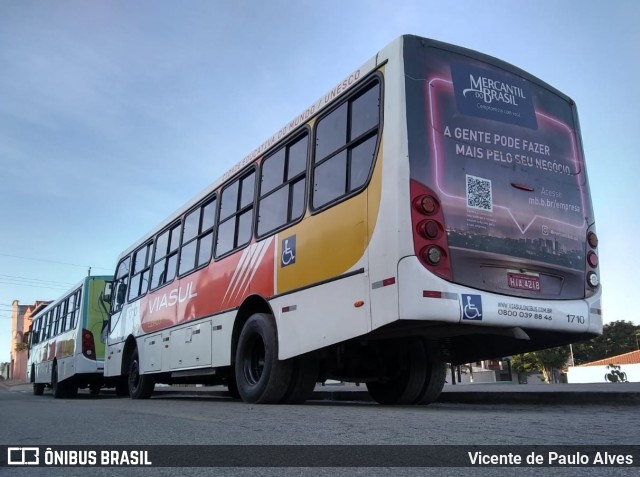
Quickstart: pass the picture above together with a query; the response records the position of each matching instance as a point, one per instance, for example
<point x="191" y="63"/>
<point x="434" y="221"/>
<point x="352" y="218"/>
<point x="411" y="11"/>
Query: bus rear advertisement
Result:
<point x="502" y="152"/>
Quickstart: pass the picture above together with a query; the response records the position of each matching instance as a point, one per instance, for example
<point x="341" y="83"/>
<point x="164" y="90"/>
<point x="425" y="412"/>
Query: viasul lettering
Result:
<point x="172" y="298"/>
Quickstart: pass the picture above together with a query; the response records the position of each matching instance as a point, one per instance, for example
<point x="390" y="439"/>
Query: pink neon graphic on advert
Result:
<point x="437" y="86"/>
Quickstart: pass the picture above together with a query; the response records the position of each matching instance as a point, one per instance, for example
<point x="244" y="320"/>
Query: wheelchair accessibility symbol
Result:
<point x="288" y="256"/>
<point x="471" y="307"/>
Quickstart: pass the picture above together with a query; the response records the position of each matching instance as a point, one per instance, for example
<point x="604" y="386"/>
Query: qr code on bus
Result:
<point x="479" y="193"/>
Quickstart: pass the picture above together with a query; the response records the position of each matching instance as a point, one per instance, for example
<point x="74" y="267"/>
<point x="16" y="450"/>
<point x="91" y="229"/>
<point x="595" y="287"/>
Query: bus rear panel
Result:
<point x="500" y="206"/>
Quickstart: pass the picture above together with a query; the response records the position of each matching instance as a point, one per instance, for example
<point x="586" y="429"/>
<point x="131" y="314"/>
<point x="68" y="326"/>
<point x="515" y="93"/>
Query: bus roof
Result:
<point x="70" y="290"/>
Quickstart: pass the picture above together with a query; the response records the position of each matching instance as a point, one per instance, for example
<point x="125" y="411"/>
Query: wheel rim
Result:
<point x="253" y="363"/>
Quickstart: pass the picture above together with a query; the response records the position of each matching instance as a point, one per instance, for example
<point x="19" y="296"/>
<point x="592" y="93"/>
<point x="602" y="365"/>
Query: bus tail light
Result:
<point x="426" y="204"/>
<point x="429" y="237"/>
<point x="88" y="344"/>
<point x="433" y="255"/>
<point x="593" y="278"/>
<point x="430" y="229"/>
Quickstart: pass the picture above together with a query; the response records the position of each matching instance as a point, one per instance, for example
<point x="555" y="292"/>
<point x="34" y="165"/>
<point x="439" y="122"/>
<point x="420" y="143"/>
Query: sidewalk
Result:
<point x="494" y="393"/>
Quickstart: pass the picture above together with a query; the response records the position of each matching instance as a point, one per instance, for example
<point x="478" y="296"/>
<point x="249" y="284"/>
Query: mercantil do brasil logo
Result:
<point x="493" y="94"/>
<point x="490" y="90"/>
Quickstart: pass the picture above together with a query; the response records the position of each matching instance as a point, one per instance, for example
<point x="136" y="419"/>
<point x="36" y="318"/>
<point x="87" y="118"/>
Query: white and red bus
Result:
<point x="433" y="207"/>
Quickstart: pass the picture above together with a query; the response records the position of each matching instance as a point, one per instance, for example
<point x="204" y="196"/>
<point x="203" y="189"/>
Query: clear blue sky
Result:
<point x="114" y="113"/>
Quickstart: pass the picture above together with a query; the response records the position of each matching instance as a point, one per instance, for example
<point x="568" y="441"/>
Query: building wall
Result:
<point x="20" y="324"/>
<point x="598" y="374"/>
<point x="18" y="358"/>
<point x="478" y="376"/>
<point x="21" y="319"/>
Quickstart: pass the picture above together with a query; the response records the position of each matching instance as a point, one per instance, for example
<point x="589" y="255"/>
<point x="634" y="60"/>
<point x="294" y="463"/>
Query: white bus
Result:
<point x="432" y="207"/>
<point x="66" y="349"/>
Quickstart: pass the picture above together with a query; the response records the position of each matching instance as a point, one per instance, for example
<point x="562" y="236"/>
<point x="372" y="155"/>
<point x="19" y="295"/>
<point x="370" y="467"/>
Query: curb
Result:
<point x="8" y="384"/>
<point x="471" y="397"/>
<point x="486" y="397"/>
<point x="564" y="398"/>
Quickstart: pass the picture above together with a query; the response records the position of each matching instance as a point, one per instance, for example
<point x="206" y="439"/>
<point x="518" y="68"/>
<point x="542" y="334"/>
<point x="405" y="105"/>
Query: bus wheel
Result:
<point x="140" y="385"/>
<point x="434" y="382"/>
<point x="407" y="375"/>
<point x="59" y="389"/>
<point x="303" y="381"/>
<point x="56" y="387"/>
<point x="38" y="389"/>
<point x="260" y="376"/>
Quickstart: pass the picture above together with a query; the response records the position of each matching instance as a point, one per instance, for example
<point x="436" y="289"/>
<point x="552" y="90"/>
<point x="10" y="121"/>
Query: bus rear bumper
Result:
<point x="423" y="296"/>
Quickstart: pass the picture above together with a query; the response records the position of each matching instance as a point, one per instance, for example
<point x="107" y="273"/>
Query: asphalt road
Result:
<point x="170" y="419"/>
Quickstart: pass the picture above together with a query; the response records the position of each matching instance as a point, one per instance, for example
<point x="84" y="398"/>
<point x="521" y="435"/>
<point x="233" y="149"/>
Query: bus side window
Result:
<point x="71" y="311"/>
<point x="74" y="304"/>
<point x="56" y="321"/>
<point x="35" y="331"/>
<point x="43" y="327"/>
<point x="282" y="186"/>
<point x="140" y="274"/>
<point x="47" y="331"/>
<point x="197" y="237"/>
<point x="78" y="298"/>
<point x="345" y="147"/>
<point x="236" y="215"/>
<point x="165" y="256"/>
<point x="63" y="315"/>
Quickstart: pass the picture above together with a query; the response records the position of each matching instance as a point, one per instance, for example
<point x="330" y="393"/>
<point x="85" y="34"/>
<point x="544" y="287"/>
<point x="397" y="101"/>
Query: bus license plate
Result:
<point x="524" y="282"/>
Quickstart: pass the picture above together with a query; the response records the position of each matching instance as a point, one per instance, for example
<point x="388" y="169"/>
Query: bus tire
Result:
<point x="409" y="368"/>
<point x="38" y="389"/>
<point x="140" y="385"/>
<point x="434" y="382"/>
<point x="303" y="381"/>
<point x="260" y="376"/>
<point x="58" y="388"/>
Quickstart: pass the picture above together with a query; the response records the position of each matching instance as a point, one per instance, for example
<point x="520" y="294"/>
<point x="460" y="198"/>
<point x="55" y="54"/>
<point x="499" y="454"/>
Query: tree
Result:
<point x="544" y="361"/>
<point x="524" y="364"/>
<point x="550" y="359"/>
<point x="618" y="337"/>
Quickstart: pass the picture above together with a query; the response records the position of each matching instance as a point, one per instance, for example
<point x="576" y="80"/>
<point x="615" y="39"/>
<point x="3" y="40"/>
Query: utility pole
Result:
<point x="573" y="363"/>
